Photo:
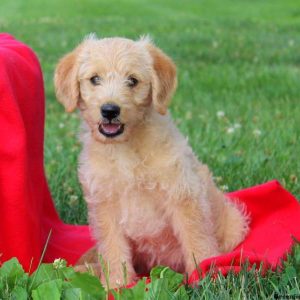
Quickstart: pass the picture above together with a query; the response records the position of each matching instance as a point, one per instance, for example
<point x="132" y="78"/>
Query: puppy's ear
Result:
<point x="66" y="82"/>
<point x="164" y="80"/>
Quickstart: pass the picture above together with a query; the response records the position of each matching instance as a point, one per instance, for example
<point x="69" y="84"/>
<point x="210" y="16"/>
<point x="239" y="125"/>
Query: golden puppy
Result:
<point x="150" y="201"/>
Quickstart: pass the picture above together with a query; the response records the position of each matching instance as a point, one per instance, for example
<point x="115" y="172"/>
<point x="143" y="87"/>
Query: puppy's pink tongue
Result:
<point x="110" y="128"/>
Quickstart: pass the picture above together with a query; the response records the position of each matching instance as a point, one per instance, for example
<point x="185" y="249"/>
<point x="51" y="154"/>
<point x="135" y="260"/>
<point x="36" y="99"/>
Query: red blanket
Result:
<point x="27" y="210"/>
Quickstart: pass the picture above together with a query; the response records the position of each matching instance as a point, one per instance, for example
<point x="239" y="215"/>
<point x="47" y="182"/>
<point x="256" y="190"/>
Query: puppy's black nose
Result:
<point x="110" y="111"/>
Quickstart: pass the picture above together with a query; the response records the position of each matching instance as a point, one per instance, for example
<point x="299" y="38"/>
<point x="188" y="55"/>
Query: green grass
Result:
<point x="57" y="281"/>
<point x="233" y="56"/>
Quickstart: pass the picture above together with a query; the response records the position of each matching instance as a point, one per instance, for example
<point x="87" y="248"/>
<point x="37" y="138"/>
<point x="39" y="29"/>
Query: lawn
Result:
<point x="238" y="98"/>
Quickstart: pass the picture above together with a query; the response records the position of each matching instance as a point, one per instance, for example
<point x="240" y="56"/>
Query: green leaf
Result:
<point x="72" y="294"/>
<point x="43" y="274"/>
<point x="124" y="294"/>
<point x="65" y="273"/>
<point x="158" y="289"/>
<point x="12" y="271"/>
<point x="78" y="294"/>
<point x="89" y="284"/>
<point x="19" y="293"/>
<point x="174" y="279"/>
<point x="181" y="294"/>
<point x="139" y="290"/>
<point x="48" y="290"/>
<point x="155" y="272"/>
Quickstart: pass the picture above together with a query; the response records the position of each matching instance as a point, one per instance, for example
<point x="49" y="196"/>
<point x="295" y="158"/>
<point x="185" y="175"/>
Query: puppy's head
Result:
<point x="115" y="82"/>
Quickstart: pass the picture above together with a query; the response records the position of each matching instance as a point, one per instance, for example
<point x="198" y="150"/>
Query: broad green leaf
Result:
<point x="12" y="271"/>
<point x="72" y="294"/>
<point x="43" y="274"/>
<point x="88" y="284"/>
<point x="139" y="290"/>
<point x="125" y="294"/>
<point x="78" y="294"/>
<point x="19" y="293"/>
<point x="65" y="272"/>
<point x="49" y="290"/>
<point x="174" y="279"/>
<point x="158" y="289"/>
<point x="156" y="271"/>
<point x="181" y="294"/>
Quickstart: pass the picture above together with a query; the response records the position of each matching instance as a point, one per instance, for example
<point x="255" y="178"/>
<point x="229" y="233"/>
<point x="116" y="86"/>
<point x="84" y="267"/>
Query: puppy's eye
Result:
<point x="132" y="81"/>
<point x="96" y="80"/>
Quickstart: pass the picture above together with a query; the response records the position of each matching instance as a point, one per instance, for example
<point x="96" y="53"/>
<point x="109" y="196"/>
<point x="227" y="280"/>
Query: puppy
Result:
<point x="150" y="201"/>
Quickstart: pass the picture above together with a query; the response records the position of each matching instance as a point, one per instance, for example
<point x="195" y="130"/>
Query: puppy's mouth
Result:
<point x="111" y="129"/>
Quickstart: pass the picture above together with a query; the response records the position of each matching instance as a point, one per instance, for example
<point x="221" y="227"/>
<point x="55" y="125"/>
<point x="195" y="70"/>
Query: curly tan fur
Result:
<point x="150" y="201"/>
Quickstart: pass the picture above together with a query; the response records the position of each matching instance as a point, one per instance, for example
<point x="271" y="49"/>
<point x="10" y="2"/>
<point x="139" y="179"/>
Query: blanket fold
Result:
<point x="27" y="210"/>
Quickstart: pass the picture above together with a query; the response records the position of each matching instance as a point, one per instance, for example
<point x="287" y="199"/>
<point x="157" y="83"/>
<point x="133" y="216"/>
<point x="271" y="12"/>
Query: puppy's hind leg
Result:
<point x="235" y="226"/>
<point x="232" y="222"/>
<point x="194" y="232"/>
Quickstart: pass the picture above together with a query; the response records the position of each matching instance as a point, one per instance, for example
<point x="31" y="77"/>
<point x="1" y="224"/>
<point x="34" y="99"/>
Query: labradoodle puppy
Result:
<point x="150" y="201"/>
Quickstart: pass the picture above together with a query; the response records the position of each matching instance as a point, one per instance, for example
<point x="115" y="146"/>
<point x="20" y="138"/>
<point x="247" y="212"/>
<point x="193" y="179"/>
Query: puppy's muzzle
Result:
<point x="110" y="125"/>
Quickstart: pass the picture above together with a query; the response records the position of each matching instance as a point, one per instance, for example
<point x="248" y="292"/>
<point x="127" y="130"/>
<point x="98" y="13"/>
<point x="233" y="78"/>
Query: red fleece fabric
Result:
<point x="275" y="224"/>
<point x="27" y="210"/>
